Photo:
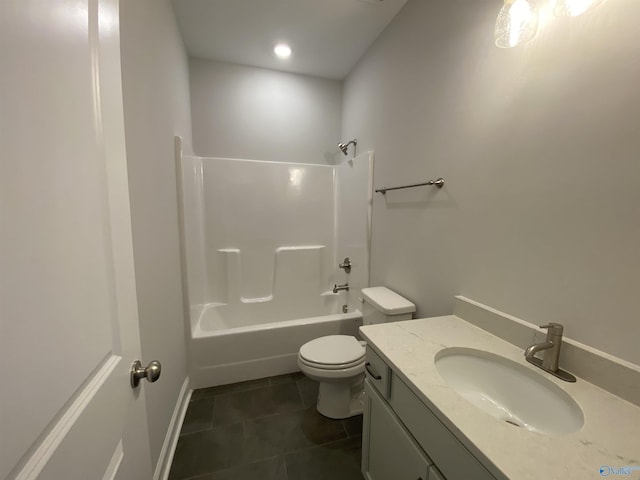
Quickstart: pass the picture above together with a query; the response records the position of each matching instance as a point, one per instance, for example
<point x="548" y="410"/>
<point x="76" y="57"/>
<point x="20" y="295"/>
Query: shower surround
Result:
<point x="262" y="243"/>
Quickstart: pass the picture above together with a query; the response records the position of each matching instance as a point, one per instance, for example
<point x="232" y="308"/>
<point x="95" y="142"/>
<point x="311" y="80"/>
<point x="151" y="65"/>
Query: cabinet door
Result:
<point x="389" y="452"/>
<point x="434" y="473"/>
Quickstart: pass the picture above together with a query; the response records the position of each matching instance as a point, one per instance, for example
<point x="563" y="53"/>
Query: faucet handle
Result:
<point x="346" y="264"/>
<point x="554" y="328"/>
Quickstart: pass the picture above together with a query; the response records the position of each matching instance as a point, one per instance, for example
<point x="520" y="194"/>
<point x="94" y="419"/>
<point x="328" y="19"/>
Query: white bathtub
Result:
<point x="238" y="342"/>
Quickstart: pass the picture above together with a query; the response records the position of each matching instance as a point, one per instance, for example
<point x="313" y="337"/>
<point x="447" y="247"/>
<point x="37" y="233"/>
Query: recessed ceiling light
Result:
<point x="282" y="50"/>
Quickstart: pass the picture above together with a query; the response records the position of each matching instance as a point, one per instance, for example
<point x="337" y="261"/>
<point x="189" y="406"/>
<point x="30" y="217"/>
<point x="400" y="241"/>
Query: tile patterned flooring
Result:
<point x="267" y="429"/>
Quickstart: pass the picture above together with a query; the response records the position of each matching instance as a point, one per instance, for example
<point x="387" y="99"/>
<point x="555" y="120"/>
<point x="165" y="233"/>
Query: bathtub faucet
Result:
<point x="337" y="288"/>
<point x="346" y="265"/>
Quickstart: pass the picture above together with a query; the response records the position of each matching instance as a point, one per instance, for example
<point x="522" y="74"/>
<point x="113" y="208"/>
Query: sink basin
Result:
<point x="509" y="391"/>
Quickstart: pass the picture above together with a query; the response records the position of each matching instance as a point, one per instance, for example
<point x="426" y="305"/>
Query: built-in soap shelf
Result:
<point x="297" y="270"/>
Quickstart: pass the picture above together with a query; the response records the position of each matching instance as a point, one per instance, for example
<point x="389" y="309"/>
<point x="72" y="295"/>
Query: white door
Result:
<point x="68" y="313"/>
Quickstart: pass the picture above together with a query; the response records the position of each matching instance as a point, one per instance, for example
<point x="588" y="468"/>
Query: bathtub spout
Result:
<point x="337" y="288"/>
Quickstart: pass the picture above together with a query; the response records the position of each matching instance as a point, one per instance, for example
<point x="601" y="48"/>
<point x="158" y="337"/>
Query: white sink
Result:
<point x="509" y="391"/>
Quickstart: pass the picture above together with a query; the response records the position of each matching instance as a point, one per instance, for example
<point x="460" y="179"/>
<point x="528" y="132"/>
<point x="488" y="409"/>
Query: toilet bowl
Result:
<point x="337" y="362"/>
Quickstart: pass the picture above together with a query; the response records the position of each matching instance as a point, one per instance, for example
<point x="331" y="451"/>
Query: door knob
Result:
<point x="151" y="372"/>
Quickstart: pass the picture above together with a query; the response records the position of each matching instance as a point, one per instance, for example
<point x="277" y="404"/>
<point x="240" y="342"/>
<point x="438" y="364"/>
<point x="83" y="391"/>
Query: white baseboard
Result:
<point x="173" y="432"/>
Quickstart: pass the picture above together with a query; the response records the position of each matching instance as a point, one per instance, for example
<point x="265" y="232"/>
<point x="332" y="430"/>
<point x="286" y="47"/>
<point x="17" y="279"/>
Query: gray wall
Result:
<point x="155" y="80"/>
<point x="259" y="114"/>
<point x="539" y="146"/>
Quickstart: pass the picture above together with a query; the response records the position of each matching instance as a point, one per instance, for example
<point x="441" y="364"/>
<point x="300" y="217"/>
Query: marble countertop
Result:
<point x="610" y="435"/>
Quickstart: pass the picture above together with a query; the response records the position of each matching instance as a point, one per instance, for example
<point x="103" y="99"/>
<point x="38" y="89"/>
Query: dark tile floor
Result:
<point x="266" y="429"/>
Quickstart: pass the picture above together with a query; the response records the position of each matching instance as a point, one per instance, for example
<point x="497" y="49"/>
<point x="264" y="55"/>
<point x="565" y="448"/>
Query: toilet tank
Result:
<point x="382" y="305"/>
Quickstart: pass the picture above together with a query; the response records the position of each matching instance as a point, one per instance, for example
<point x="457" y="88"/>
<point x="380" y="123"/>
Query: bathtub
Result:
<point x="238" y="342"/>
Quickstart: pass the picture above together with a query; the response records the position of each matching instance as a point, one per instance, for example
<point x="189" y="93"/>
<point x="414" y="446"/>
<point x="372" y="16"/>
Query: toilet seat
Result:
<point x="322" y="366"/>
<point x="332" y="352"/>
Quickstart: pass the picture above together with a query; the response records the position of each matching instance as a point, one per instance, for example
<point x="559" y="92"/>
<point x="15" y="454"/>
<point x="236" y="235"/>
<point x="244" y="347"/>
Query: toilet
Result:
<point x="337" y="362"/>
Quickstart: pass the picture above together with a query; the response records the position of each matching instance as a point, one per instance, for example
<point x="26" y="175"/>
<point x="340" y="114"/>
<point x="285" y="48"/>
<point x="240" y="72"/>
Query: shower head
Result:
<point x="344" y="146"/>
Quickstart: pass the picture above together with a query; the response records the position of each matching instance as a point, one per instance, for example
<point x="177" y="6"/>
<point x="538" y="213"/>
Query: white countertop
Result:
<point x="610" y="435"/>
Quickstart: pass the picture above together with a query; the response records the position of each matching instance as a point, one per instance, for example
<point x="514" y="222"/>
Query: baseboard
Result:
<point x="173" y="432"/>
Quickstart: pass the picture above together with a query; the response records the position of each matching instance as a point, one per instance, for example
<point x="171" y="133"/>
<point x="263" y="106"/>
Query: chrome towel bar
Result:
<point x="438" y="183"/>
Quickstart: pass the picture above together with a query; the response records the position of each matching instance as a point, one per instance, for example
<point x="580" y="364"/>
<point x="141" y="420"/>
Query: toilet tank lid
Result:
<point x="387" y="301"/>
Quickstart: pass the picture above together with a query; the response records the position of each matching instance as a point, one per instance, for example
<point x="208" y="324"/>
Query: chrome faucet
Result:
<point x="346" y="265"/>
<point x="337" y="288"/>
<point x="551" y="355"/>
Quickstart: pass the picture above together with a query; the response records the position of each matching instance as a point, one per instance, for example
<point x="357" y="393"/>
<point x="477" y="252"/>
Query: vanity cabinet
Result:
<point x="402" y="438"/>
<point x="391" y="452"/>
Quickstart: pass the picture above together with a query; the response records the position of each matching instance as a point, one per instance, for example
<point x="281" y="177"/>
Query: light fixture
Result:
<point x="517" y="23"/>
<point x="282" y="50"/>
<point x="573" y="8"/>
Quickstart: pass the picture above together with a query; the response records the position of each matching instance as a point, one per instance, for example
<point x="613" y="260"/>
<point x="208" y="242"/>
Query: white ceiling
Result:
<point x="327" y="36"/>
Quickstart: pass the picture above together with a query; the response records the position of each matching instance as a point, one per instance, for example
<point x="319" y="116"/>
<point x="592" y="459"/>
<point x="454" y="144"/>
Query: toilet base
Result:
<point x="338" y="400"/>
